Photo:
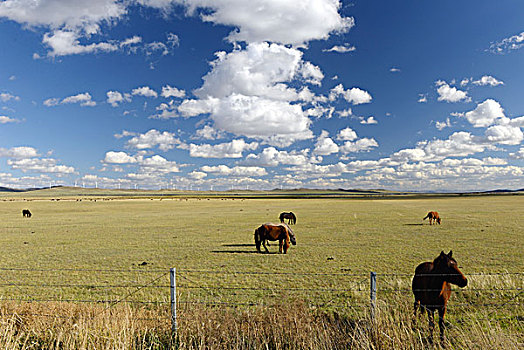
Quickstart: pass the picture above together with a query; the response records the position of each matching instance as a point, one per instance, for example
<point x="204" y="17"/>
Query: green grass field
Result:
<point x="485" y="233"/>
<point x="210" y="243"/>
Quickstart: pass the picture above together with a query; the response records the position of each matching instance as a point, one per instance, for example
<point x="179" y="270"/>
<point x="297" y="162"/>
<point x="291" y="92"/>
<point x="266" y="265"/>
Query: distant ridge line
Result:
<point x="277" y="192"/>
<point x="8" y="189"/>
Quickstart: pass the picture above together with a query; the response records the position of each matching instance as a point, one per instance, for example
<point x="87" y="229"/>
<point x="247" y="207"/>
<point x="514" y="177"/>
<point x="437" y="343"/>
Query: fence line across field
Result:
<point x="166" y="270"/>
<point x="373" y="278"/>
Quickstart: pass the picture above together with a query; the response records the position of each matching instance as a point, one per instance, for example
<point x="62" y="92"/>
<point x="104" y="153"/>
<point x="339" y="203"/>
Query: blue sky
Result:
<point x="202" y="94"/>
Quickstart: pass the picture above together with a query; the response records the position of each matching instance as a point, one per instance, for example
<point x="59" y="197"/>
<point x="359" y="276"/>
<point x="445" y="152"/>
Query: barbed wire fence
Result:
<point x="498" y="295"/>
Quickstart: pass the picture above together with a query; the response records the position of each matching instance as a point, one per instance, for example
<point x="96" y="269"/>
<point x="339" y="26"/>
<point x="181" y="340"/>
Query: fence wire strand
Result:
<point x="211" y="290"/>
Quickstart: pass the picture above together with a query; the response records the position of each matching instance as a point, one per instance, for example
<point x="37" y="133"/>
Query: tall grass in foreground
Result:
<point x="288" y="326"/>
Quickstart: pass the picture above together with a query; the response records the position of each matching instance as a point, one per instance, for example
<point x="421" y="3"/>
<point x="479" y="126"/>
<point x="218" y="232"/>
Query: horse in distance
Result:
<point x="433" y="216"/>
<point x="26" y="213"/>
<point x="431" y="287"/>
<point x="291" y="218"/>
<point x="272" y="232"/>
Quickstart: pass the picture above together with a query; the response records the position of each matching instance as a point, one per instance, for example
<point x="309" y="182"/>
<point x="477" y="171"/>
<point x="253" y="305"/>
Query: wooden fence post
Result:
<point x="172" y="278"/>
<point x="373" y="293"/>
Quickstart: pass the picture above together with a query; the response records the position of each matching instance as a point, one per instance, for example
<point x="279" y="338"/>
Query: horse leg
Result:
<point x="286" y="245"/>
<point x="280" y="245"/>
<point x="441" y="324"/>
<point x="431" y="325"/>
<point x="416" y="305"/>
<point x="264" y="244"/>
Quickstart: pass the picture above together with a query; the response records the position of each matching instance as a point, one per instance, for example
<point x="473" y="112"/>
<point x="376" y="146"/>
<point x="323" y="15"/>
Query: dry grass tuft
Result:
<point x="289" y="326"/>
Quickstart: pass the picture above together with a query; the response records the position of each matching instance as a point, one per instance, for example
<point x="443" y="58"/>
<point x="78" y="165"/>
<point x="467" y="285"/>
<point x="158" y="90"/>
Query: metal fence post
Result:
<point x="373" y="293"/>
<point x="172" y="278"/>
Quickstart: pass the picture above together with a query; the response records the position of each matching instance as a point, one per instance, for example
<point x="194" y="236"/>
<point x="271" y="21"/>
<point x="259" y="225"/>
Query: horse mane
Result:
<point x="288" y="228"/>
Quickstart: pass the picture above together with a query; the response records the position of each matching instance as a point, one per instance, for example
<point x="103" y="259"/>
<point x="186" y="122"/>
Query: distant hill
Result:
<point x="64" y="191"/>
<point x="7" y="189"/>
<point x="503" y="191"/>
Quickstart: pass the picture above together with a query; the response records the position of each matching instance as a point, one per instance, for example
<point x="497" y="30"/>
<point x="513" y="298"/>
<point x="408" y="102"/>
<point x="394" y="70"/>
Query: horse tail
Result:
<point x="281" y="217"/>
<point x="294" y="218"/>
<point x="258" y="238"/>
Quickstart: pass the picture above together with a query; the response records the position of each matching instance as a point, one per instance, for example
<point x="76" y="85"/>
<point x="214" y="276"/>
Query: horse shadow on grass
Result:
<point x="413" y="224"/>
<point x="239" y="252"/>
<point x="251" y="251"/>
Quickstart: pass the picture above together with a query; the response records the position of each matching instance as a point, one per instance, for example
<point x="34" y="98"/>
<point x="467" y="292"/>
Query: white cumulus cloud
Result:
<point x="84" y="99"/>
<point x="272" y="157"/>
<point x="145" y="91"/>
<point x="113" y="157"/>
<point x="287" y="22"/>
<point x="275" y="122"/>
<point x="5" y="96"/>
<point x="444" y="124"/>
<point x="169" y="91"/>
<point x="341" y="48"/>
<point x="485" y="114"/>
<point x="65" y="42"/>
<point x="369" y="120"/>
<point x="154" y="138"/>
<point x="361" y="145"/>
<point x="19" y="152"/>
<point x="233" y="149"/>
<point x="262" y="69"/>
<point x="354" y="95"/>
<point x="505" y="45"/>
<point x="224" y="170"/>
<point x="448" y="93"/>
<point x="158" y="164"/>
<point x="114" y="98"/>
<point x="347" y="134"/>
<point x="40" y="165"/>
<point x="5" y="119"/>
<point x="488" y="80"/>
<point x="325" y="145"/>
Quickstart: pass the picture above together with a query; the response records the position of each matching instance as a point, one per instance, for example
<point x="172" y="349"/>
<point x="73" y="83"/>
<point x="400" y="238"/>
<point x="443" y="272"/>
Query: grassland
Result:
<point x="342" y="238"/>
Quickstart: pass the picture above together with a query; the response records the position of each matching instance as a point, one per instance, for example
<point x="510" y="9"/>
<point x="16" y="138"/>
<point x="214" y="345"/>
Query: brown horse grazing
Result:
<point x="26" y="213"/>
<point x="291" y="218"/>
<point x="432" y="215"/>
<point x="272" y="232"/>
<point x="432" y="287"/>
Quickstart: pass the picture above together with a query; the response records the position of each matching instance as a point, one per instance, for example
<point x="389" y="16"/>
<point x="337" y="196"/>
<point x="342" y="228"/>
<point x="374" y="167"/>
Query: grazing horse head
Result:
<point x="431" y="287"/>
<point x="272" y="232"/>
<point x="291" y="234"/>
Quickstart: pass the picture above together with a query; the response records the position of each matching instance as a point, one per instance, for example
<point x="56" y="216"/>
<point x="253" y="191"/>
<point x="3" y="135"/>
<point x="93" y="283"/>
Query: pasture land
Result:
<point x="210" y="242"/>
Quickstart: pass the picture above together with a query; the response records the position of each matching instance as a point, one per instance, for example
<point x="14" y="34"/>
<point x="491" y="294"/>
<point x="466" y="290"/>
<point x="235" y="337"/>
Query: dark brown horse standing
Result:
<point x="433" y="216"/>
<point x="272" y="232"/>
<point x="291" y="218"/>
<point x="26" y="213"/>
<point x="432" y="287"/>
